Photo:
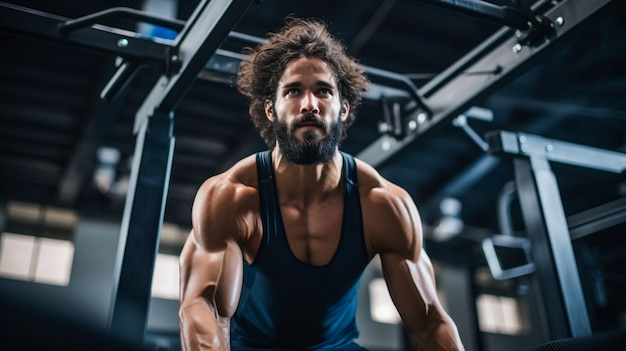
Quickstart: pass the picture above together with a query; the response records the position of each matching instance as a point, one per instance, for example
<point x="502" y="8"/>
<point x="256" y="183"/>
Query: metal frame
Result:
<point x="597" y="219"/>
<point x="130" y="45"/>
<point x="545" y="220"/>
<point x="500" y="59"/>
<point x="180" y="63"/>
<point x="505" y="15"/>
<point x="145" y="201"/>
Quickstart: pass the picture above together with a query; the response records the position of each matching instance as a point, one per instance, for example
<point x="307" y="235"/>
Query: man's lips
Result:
<point x="309" y="124"/>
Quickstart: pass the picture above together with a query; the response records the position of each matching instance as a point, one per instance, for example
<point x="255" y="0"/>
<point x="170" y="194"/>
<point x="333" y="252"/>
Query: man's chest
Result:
<point x="314" y="232"/>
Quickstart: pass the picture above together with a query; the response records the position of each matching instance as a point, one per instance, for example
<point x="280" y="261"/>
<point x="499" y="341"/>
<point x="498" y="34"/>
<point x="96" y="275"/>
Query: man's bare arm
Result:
<point x="206" y="288"/>
<point x="211" y="266"/>
<point x="409" y="272"/>
<point x="412" y="285"/>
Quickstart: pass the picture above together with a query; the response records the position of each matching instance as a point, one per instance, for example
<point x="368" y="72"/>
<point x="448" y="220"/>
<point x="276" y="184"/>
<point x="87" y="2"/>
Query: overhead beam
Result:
<point x="37" y="24"/>
<point x="522" y="144"/>
<point x="505" y="15"/>
<point x="497" y="61"/>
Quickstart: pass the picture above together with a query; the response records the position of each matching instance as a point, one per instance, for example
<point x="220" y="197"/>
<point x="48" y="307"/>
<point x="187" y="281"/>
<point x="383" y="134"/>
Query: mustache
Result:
<point x="309" y="120"/>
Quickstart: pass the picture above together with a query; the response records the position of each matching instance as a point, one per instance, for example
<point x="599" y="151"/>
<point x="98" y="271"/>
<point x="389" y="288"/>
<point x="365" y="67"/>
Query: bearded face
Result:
<point x="310" y="149"/>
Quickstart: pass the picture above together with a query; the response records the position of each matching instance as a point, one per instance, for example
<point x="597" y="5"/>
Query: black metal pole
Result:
<point x="141" y="226"/>
<point x="145" y="204"/>
<point x="553" y="254"/>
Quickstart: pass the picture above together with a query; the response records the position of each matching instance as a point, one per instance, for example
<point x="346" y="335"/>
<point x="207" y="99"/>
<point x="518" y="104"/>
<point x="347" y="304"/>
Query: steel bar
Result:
<point x="458" y="88"/>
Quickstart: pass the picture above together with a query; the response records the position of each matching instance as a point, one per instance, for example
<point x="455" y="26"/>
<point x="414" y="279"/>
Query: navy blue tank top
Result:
<point x="288" y="304"/>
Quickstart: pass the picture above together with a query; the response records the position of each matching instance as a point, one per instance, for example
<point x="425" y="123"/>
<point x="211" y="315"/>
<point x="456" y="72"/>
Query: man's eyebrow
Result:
<point x="325" y="84"/>
<point x="318" y="83"/>
<point x="292" y="85"/>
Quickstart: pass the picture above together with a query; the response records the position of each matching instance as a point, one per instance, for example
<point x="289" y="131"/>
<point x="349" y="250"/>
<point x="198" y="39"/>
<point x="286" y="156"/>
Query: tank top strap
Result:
<point x="264" y="168"/>
<point x="267" y="198"/>
<point x="352" y="218"/>
<point x="349" y="169"/>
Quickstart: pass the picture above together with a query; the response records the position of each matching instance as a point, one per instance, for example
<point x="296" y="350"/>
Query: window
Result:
<point x="165" y="278"/>
<point x="498" y="314"/>
<point x="37" y="244"/>
<point x="165" y="283"/>
<point x="42" y="260"/>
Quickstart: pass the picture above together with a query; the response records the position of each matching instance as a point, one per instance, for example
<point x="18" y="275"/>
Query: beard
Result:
<point x="308" y="151"/>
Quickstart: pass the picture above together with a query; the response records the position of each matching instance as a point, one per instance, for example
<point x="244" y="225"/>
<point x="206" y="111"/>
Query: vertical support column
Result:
<point x="202" y="35"/>
<point x="141" y="226"/>
<point x="552" y="247"/>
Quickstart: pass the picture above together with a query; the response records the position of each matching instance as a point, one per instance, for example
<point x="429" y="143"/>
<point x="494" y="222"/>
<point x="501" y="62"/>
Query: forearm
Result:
<point x="202" y="329"/>
<point x="438" y="333"/>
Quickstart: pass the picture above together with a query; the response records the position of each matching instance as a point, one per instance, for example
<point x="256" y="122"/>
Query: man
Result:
<point x="280" y="240"/>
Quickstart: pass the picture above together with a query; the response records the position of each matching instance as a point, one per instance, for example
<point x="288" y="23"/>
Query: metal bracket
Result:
<point x="129" y="67"/>
<point x="516" y="247"/>
<point x="540" y="28"/>
<point x="474" y="113"/>
<point x="392" y="120"/>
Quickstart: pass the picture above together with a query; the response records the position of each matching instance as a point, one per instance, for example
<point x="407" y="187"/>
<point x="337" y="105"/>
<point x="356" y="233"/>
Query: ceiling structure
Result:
<point x="56" y="130"/>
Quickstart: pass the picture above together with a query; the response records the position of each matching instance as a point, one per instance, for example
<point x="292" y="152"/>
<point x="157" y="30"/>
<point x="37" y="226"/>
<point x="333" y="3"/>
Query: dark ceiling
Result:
<point x="52" y="121"/>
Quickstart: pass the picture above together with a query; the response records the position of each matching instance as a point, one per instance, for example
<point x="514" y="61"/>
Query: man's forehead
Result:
<point x="309" y="70"/>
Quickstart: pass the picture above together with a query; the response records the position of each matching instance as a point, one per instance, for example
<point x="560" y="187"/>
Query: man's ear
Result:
<point x="345" y="110"/>
<point x="269" y="110"/>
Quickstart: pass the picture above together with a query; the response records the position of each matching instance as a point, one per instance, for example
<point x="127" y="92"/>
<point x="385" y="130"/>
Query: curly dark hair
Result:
<point x="258" y="77"/>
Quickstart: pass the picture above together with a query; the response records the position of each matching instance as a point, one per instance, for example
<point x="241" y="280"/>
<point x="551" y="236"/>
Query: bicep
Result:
<point x="211" y="261"/>
<point x="211" y="276"/>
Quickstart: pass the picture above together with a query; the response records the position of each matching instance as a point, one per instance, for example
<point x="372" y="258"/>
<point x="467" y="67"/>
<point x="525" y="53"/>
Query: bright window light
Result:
<point x="41" y="260"/>
<point x="498" y="314"/>
<point x="165" y="281"/>
<point x="382" y="309"/>
<point x="16" y="255"/>
<point x="54" y="264"/>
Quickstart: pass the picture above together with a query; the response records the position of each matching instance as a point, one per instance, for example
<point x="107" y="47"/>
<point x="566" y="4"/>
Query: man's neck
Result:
<point x="305" y="184"/>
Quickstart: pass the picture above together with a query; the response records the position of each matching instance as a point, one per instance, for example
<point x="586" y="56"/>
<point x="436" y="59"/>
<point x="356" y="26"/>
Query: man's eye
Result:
<point x="325" y="91"/>
<point x="292" y="91"/>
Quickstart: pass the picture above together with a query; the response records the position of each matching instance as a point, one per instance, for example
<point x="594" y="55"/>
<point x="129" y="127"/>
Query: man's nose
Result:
<point x="310" y="104"/>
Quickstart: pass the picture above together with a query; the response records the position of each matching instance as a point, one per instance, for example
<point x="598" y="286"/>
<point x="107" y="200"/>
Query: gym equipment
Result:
<point x="545" y="221"/>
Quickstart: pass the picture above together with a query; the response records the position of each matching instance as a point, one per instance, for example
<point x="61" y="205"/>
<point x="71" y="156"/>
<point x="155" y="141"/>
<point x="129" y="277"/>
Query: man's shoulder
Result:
<point x="242" y="173"/>
<point x="385" y="199"/>
<point x="373" y="184"/>
<point x="238" y="183"/>
<point x="227" y="204"/>
<point x="390" y="216"/>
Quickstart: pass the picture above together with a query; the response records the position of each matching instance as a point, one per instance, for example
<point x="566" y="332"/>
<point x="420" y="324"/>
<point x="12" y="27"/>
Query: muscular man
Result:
<point x="280" y="240"/>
